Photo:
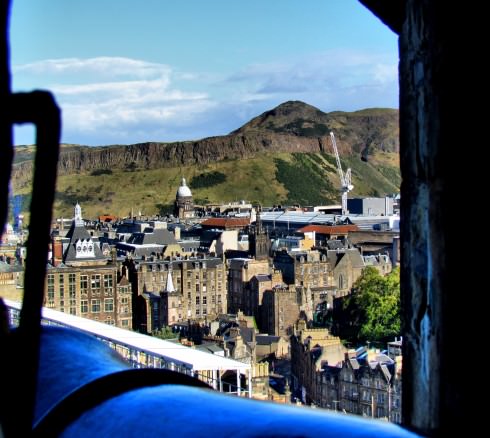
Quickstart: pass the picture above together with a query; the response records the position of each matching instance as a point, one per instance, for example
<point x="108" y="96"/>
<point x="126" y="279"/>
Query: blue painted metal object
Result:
<point x="85" y="388"/>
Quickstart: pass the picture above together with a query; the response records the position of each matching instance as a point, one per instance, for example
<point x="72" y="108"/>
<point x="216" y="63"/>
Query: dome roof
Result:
<point x="183" y="191"/>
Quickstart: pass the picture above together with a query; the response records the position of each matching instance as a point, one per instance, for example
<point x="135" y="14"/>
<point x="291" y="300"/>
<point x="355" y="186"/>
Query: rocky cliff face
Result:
<point x="290" y="127"/>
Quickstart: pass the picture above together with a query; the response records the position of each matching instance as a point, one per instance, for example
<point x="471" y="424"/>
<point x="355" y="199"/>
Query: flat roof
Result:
<point x="191" y="358"/>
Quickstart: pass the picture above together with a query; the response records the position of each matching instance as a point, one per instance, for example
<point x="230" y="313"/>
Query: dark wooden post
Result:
<point x="439" y="131"/>
<point x="6" y="150"/>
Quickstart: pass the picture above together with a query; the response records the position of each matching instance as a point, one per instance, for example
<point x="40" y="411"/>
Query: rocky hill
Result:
<point x="290" y="127"/>
<point x="282" y="156"/>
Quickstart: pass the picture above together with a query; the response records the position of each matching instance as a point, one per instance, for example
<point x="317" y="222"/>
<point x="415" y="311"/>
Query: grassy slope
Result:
<point x="255" y="180"/>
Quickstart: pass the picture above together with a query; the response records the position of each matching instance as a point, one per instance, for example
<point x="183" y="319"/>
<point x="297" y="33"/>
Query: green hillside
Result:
<point x="283" y="156"/>
<point x="280" y="178"/>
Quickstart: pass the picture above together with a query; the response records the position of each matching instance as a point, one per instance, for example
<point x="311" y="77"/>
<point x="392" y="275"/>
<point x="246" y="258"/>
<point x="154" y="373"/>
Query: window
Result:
<point x="84" y="306"/>
<point x="125" y="322"/>
<point x="108" y="279"/>
<point x="95" y="306"/>
<point x="109" y="305"/>
<point x="71" y="285"/>
<point x="61" y="289"/>
<point x="83" y="282"/>
<point x="204" y="300"/>
<point x="51" y="287"/>
<point x="95" y="281"/>
<point x="198" y="301"/>
<point x="341" y="281"/>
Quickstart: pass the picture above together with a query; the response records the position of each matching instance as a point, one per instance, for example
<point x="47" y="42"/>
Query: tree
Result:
<point x="372" y="311"/>
<point x="164" y="333"/>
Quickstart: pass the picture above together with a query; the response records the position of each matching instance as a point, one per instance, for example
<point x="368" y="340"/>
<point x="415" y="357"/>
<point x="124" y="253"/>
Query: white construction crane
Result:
<point x="345" y="179"/>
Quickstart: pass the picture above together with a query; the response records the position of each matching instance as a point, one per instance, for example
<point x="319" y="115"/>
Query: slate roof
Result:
<point x="79" y="232"/>
<point x="155" y="237"/>
<point x="335" y="244"/>
<point x="266" y="339"/>
<point x="263" y="277"/>
<point x="334" y="257"/>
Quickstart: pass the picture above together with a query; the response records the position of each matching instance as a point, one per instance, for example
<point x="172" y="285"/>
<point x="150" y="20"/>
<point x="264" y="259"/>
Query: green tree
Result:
<point x="372" y="311"/>
<point x="164" y="333"/>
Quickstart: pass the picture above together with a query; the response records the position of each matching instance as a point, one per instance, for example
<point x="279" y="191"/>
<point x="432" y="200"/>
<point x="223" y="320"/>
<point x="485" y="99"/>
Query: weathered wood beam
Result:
<point x="390" y="12"/>
<point x="437" y="83"/>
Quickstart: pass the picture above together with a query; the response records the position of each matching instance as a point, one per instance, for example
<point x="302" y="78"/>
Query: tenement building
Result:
<point x="82" y="282"/>
<point x="363" y="382"/>
<point x="174" y="290"/>
<point x="240" y="273"/>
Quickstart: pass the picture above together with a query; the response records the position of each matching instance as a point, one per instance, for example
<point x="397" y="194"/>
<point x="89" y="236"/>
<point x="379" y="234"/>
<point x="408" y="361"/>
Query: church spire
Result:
<point x="170" y="284"/>
<point x="78" y="216"/>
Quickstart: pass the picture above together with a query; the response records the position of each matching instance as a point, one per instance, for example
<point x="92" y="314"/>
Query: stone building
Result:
<point x="369" y="386"/>
<point x="381" y="262"/>
<point x="308" y="268"/>
<point x="281" y="307"/>
<point x="259" y="241"/>
<point x="82" y="282"/>
<point x="186" y="288"/>
<point x="11" y="280"/>
<point x="310" y="349"/>
<point x="347" y="265"/>
<point x="256" y="289"/>
<point x="361" y="382"/>
<point x="184" y="203"/>
<point x="240" y="273"/>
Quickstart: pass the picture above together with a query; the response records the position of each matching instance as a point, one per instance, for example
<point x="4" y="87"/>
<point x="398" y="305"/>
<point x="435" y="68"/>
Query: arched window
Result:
<point x="341" y="281"/>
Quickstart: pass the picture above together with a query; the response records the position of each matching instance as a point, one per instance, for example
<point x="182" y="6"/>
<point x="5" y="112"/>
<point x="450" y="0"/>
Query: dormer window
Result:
<point x="84" y="248"/>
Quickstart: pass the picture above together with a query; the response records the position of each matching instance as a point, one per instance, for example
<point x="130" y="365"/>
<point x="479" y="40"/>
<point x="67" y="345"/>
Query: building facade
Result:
<point x="82" y="282"/>
<point x="189" y="288"/>
<point x="362" y="382"/>
<point x="240" y="273"/>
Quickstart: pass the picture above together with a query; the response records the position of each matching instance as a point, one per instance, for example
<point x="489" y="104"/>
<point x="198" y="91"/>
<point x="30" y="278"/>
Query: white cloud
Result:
<point x="120" y="100"/>
<point x="325" y="73"/>
<point x="108" y="100"/>
<point x="105" y="66"/>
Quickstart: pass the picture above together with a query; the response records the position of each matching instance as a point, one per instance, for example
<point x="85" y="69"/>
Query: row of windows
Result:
<point x="94" y="281"/>
<point x="95" y="305"/>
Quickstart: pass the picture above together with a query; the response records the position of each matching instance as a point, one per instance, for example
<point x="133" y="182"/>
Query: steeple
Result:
<point x="258" y="222"/>
<point x="78" y="216"/>
<point x="170" y="284"/>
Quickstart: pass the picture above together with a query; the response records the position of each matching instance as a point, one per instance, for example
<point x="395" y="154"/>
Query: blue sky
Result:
<point x="127" y="71"/>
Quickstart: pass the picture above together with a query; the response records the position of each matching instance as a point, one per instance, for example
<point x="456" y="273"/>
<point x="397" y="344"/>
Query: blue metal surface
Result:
<point x="70" y="360"/>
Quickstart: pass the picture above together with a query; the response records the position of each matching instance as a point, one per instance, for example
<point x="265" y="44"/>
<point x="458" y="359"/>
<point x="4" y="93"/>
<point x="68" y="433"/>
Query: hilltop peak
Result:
<point x="292" y="118"/>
